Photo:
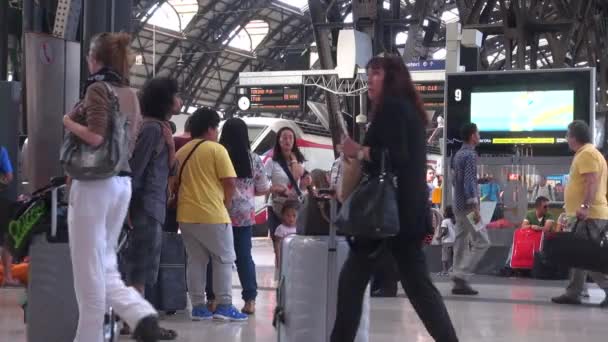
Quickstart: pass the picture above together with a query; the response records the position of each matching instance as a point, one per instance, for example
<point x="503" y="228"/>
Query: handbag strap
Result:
<point x="292" y="180"/>
<point x="181" y="171"/>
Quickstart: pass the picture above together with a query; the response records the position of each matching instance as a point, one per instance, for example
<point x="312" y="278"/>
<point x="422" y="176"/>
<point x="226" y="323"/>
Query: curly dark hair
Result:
<point x="157" y="97"/>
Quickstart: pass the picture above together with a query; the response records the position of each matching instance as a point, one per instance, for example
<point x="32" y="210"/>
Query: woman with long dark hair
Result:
<point x="287" y="175"/>
<point x="398" y="122"/>
<point x="251" y="181"/>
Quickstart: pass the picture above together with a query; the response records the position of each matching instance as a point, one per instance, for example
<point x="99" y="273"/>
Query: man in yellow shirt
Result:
<point x="206" y="180"/>
<point x="585" y="203"/>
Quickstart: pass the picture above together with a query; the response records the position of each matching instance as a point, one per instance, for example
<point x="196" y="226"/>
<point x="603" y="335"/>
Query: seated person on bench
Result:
<point x="540" y="218"/>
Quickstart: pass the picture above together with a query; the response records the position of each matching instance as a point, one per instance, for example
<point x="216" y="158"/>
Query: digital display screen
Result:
<point x="510" y="109"/>
<point x="272" y="98"/>
<point x="519" y="111"/>
<point x="432" y="94"/>
<point x="429" y="88"/>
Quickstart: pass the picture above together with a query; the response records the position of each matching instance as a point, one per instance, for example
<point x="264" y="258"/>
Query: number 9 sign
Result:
<point x="458" y="95"/>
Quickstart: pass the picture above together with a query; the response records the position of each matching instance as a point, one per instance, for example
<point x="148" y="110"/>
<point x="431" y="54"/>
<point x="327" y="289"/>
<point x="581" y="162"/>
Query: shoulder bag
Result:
<point x="84" y="162"/>
<point x="172" y="203"/>
<point x="371" y="211"/>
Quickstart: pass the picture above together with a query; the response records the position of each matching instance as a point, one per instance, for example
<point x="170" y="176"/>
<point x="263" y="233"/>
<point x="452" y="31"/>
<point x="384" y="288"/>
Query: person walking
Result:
<point x="586" y="205"/>
<point x="98" y="208"/>
<point x="398" y="122"/>
<point x="465" y="202"/>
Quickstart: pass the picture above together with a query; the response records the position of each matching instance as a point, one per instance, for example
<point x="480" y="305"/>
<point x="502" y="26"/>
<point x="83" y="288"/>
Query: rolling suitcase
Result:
<point x="52" y="311"/>
<point x="169" y="294"/>
<point x="526" y="242"/>
<point x="308" y="288"/>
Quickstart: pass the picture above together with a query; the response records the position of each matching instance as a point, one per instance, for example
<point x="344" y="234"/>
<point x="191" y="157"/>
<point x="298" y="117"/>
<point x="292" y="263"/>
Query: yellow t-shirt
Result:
<point x="587" y="160"/>
<point x="201" y="193"/>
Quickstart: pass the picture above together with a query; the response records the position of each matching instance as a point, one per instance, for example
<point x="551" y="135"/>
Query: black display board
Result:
<point x="260" y="98"/>
<point x="519" y="108"/>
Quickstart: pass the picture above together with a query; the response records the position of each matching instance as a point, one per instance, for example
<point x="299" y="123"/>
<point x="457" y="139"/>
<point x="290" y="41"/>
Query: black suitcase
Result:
<point x="170" y="291"/>
<point x="544" y="269"/>
<point x="573" y="250"/>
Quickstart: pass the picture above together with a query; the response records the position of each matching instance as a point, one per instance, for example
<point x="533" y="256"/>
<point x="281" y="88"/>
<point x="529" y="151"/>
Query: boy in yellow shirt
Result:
<point x="206" y="181"/>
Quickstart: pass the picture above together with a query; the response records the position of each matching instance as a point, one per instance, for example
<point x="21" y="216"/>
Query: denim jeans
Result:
<point x="244" y="265"/>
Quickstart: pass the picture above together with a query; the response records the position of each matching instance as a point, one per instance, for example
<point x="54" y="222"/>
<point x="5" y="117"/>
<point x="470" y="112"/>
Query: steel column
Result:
<point x="324" y="49"/>
<point x="3" y="40"/>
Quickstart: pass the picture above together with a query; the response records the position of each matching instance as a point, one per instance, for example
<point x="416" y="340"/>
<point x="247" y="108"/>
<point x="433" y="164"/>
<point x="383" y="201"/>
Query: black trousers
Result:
<point x="386" y="275"/>
<point x="416" y="281"/>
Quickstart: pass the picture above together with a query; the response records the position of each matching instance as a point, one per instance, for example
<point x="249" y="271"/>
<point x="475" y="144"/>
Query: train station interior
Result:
<point x="181" y="170"/>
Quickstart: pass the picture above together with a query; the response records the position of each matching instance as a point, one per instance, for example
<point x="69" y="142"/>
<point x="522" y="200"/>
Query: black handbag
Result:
<point x="371" y="211"/>
<point x="574" y="250"/>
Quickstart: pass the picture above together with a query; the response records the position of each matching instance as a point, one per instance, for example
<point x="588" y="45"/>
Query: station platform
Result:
<point x="507" y="309"/>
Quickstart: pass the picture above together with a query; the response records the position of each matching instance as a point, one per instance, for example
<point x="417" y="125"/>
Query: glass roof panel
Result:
<point x="174" y="15"/>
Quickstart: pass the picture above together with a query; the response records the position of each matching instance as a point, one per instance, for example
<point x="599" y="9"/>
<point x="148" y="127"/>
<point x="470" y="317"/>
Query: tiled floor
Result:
<point x="506" y="310"/>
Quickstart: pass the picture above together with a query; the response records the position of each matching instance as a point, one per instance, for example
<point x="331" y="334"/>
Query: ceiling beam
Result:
<point x="243" y="17"/>
<point x="276" y="32"/>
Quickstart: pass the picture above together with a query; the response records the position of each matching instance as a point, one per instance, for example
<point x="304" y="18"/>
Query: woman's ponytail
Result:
<point x="114" y="51"/>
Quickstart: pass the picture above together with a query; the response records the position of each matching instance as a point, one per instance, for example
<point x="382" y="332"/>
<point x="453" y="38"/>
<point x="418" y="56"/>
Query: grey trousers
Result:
<point x="578" y="276"/>
<point x="466" y="258"/>
<point x="204" y="242"/>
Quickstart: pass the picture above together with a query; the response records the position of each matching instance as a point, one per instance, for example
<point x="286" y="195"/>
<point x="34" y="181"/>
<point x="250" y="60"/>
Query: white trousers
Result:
<point x="95" y="218"/>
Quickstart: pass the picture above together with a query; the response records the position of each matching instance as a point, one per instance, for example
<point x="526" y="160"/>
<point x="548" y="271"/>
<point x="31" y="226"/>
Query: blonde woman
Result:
<point x="98" y="208"/>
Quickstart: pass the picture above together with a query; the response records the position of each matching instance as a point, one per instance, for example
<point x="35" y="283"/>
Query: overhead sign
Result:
<point x="286" y="98"/>
<point x="433" y="64"/>
<point x="431" y="93"/>
<point x="430" y="89"/>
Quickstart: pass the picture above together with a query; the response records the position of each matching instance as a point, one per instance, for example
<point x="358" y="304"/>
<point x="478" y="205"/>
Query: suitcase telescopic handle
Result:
<point x="54" y="205"/>
<point x="333" y="230"/>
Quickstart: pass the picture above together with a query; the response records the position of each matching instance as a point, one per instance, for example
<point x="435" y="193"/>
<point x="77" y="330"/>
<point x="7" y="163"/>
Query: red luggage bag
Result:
<point x="526" y="242"/>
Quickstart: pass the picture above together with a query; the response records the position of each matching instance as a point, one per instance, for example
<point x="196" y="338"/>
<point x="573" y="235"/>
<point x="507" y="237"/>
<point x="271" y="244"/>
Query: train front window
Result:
<point x="267" y="143"/>
<point x="254" y="132"/>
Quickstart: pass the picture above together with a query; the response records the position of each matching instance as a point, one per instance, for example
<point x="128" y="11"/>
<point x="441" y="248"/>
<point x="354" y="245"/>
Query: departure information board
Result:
<point x="432" y="94"/>
<point x="287" y="98"/>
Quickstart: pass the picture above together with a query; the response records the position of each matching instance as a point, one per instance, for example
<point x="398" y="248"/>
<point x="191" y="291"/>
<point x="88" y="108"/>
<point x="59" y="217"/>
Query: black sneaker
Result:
<point x="147" y="330"/>
<point x="462" y="288"/>
<point x="465" y="291"/>
<point x="567" y="300"/>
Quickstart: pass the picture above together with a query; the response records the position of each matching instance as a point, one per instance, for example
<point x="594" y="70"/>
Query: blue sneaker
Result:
<point x="201" y="313"/>
<point x="229" y="313"/>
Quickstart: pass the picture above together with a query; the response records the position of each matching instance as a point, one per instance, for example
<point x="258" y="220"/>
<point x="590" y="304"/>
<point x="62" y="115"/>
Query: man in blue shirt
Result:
<point x="6" y="168"/>
<point x="6" y="177"/>
<point x="490" y="191"/>
<point x="466" y="201"/>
